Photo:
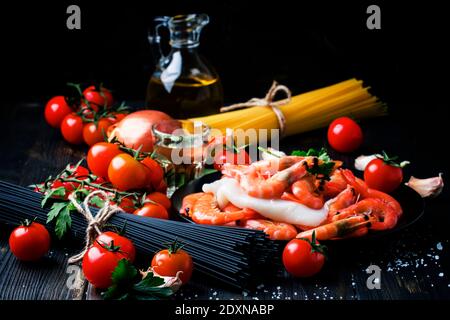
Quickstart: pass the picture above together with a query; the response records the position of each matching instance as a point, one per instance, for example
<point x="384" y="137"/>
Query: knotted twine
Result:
<point x="94" y="223"/>
<point x="267" y="101"/>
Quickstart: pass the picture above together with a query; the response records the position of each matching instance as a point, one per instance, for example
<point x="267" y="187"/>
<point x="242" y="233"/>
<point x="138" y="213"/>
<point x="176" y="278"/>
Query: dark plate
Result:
<point x="412" y="204"/>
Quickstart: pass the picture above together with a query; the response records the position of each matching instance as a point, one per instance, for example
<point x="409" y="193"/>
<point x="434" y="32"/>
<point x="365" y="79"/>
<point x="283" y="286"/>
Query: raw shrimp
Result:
<point x="276" y="209"/>
<point x="207" y="211"/>
<point x="341" y="201"/>
<point x="305" y="192"/>
<point x="265" y="168"/>
<point x="272" y="188"/>
<point x="248" y="213"/>
<point x="338" y="229"/>
<point x="188" y="203"/>
<point x="387" y="199"/>
<point x="386" y="217"/>
<point x="359" y="185"/>
<point x="335" y="185"/>
<point x="275" y="230"/>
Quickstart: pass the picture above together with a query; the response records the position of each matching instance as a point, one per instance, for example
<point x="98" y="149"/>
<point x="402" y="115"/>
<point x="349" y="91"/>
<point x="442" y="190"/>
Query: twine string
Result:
<point x="95" y="223"/>
<point x="268" y="101"/>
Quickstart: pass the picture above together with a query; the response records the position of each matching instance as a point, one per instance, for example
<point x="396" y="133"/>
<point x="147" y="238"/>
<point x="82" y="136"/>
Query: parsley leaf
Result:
<point x="58" y="192"/>
<point x="55" y="210"/>
<point x="322" y="154"/>
<point x="64" y="221"/>
<point x="125" y="284"/>
<point x="321" y="171"/>
<point x="97" y="201"/>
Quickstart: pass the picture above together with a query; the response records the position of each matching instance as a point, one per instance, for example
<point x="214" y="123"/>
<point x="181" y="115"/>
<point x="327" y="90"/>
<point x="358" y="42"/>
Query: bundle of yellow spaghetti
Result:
<point x="305" y="112"/>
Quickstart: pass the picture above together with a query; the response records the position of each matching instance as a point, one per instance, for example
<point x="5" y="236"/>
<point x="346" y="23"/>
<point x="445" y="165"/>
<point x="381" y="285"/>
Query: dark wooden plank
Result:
<point x="35" y="151"/>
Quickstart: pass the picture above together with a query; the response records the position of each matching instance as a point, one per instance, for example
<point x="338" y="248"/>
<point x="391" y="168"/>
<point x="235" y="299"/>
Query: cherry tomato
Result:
<point x="168" y="262"/>
<point x="98" y="265"/>
<point x="107" y="238"/>
<point x="126" y="173"/>
<point x="117" y="117"/>
<point x="152" y="210"/>
<point x="99" y="157"/>
<point x="299" y="259"/>
<point x="101" y="97"/>
<point x="160" y="198"/>
<point x="239" y="156"/>
<point x="55" y="111"/>
<point x="95" y="132"/>
<point x="162" y="187"/>
<point x="382" y="176"/>
<point x="68" y="186"/>
<point x="156" y="172"/>
<point x="101" y="259"/>
<point x="88" y="111"/>
<point x="344" y="135"/>
<point x="80" y="171"/>
<point x="72" y="128"/>
<point x="29" y="242"/>
<point x="126" y="204"/>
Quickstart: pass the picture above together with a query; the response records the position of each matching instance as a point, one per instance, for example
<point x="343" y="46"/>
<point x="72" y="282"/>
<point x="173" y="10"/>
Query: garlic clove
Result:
<point x="169" y="282"/>
<point x="362" y="161"/>
<point x="430" y="187"/>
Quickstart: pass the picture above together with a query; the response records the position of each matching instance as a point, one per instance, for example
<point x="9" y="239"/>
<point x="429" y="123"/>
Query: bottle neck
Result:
<point x="185" y="39"/>
<point x="183" y="44"/>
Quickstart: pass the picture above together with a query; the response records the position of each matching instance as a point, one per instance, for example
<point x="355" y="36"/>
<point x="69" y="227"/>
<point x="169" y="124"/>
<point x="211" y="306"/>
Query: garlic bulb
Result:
<point x="362" y="161"/>
<point x="430" y="187"/>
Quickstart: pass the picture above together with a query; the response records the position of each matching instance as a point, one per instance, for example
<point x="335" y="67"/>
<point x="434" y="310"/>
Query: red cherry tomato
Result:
<point x="126" y="173"/>
<point x="100" y="260"/>
<point x="299" y="259"/>
<point x="160" y="198"/>
<point x="98" y="265"/>
<point x="107" y="238"/>
<point x="72" y="128"/>
<point x="95" y="132"/>
<point x="100" y="97"/>
<point x="156" y="173"/>
<point x="382" y="176"/>
<point x="29" y="242"/>
<point x="117" y="117"/>
<point x="344" y="135"/>
<point x="80" y="171"/>
<point x="151" y="210"/>
<point x="126" y="204"/>
<point x="162" y="187"/>
<point x="99" y="157"/>
<point x="169" y="261"/>
<point x="55" y="111"/>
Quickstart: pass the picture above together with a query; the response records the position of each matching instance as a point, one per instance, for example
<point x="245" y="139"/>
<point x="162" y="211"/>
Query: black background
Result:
<point x="303" y="44"/>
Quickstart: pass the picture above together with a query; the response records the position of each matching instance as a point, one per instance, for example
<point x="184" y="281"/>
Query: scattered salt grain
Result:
<point x="439" y="246"/>
<point x="441" y="274"/>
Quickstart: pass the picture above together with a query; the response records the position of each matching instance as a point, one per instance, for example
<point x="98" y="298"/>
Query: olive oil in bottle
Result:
<point x="183" y="85"/>
<point x="185" y="98"/>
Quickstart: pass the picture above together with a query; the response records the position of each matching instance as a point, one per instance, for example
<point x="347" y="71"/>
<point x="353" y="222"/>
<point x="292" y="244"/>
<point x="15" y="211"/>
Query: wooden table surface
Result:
<point x="414" y="263"/>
